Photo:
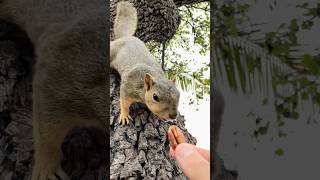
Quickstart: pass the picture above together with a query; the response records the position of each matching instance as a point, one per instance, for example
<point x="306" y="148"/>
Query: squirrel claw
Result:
<point x="125" y="119"/>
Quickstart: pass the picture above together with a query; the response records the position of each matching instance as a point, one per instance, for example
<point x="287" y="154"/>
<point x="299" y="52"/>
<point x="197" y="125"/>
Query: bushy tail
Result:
<point x="125" y="23"/>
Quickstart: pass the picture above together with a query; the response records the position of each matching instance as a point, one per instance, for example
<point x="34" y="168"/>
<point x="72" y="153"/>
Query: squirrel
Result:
<point x="70" y="80"/>
<point x="142" y="79"/>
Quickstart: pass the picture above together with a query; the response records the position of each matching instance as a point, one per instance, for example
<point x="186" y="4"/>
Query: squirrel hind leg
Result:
<point x="47" y="156"/>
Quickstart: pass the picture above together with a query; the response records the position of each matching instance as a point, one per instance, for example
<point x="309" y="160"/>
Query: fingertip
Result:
<point x="191" y="162"/>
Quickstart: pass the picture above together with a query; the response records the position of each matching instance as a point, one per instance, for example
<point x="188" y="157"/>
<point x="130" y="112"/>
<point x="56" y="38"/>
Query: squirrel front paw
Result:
<point x="124" y="118"/>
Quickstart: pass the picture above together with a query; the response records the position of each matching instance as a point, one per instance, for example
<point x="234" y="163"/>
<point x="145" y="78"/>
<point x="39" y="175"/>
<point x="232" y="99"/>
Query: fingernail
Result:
<point x="184" y="151"/>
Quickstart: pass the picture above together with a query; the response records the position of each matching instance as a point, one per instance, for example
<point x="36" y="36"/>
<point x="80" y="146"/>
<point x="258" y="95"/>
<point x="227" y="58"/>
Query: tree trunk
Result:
<point x="137" y="150"/>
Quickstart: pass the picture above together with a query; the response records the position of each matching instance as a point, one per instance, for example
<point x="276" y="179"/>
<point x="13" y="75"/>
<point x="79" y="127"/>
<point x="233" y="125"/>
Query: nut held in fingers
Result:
<point x="175" y="136"/>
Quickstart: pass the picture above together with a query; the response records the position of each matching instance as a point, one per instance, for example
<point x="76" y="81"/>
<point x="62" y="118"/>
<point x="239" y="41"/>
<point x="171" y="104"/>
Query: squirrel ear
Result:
<point x="148" y="81"/>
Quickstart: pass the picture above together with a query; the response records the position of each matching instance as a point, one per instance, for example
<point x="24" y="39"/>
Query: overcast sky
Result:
<point x="197" y="122"/>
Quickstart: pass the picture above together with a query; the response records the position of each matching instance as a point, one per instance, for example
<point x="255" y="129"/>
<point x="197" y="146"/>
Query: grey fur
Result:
<point x="124" y="11"/>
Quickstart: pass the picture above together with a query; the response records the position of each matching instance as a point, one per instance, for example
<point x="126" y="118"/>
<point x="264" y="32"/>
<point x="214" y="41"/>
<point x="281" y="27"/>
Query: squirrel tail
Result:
<point x="126" y="20"/>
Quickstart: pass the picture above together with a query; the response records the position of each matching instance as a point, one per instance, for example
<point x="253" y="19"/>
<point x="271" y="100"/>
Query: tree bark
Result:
<point x="139" y="150"/>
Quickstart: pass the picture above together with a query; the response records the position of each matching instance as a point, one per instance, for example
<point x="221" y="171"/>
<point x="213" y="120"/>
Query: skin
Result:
<point x="195" y="164"/>
<point x="194" y="161"/>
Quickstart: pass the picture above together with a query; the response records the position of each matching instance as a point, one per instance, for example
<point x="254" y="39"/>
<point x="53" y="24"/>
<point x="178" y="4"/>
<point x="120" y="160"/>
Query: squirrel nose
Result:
<point x="173" y="115"/>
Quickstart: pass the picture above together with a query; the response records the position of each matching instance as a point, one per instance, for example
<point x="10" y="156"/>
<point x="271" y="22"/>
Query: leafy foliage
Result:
<point x="186" y="55"/>
<point x="250" y="63"/>
<point x="279" y="152"/>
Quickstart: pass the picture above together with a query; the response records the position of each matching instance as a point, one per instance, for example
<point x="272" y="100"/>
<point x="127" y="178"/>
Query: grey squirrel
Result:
<point x="70" y="78"/>
<point x="142" y="79"/>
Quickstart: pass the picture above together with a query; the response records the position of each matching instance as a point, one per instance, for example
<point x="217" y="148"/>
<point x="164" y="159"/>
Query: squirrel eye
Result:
<point x="155" y="97"/>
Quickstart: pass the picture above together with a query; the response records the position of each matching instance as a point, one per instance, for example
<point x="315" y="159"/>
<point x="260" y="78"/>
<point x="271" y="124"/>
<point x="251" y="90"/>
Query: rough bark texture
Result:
<point x="15" y="103"/>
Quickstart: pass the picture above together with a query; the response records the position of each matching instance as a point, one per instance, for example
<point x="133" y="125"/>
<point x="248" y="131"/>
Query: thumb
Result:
<point x="194" y="166"/>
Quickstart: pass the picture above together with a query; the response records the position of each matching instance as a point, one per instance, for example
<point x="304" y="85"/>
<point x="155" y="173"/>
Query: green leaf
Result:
<point x="310" y="63"/>
<point x="294" y="115"/>
<point x="279" y="152"/>
<point x="306" y="25"/>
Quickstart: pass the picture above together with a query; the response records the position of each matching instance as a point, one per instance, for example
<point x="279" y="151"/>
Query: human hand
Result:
<point x="194" y="161"/>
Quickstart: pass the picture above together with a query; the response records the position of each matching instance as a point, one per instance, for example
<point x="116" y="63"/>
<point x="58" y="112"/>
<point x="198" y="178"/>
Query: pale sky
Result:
<point x="197" y="122"/>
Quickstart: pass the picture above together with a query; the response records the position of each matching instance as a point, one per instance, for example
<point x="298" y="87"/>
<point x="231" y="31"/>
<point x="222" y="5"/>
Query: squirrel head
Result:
<point x="161" y="96"/>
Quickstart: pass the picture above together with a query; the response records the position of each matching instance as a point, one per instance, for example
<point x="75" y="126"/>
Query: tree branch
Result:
<point x="187" y="2"/>
<point x="163" y="55"/>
